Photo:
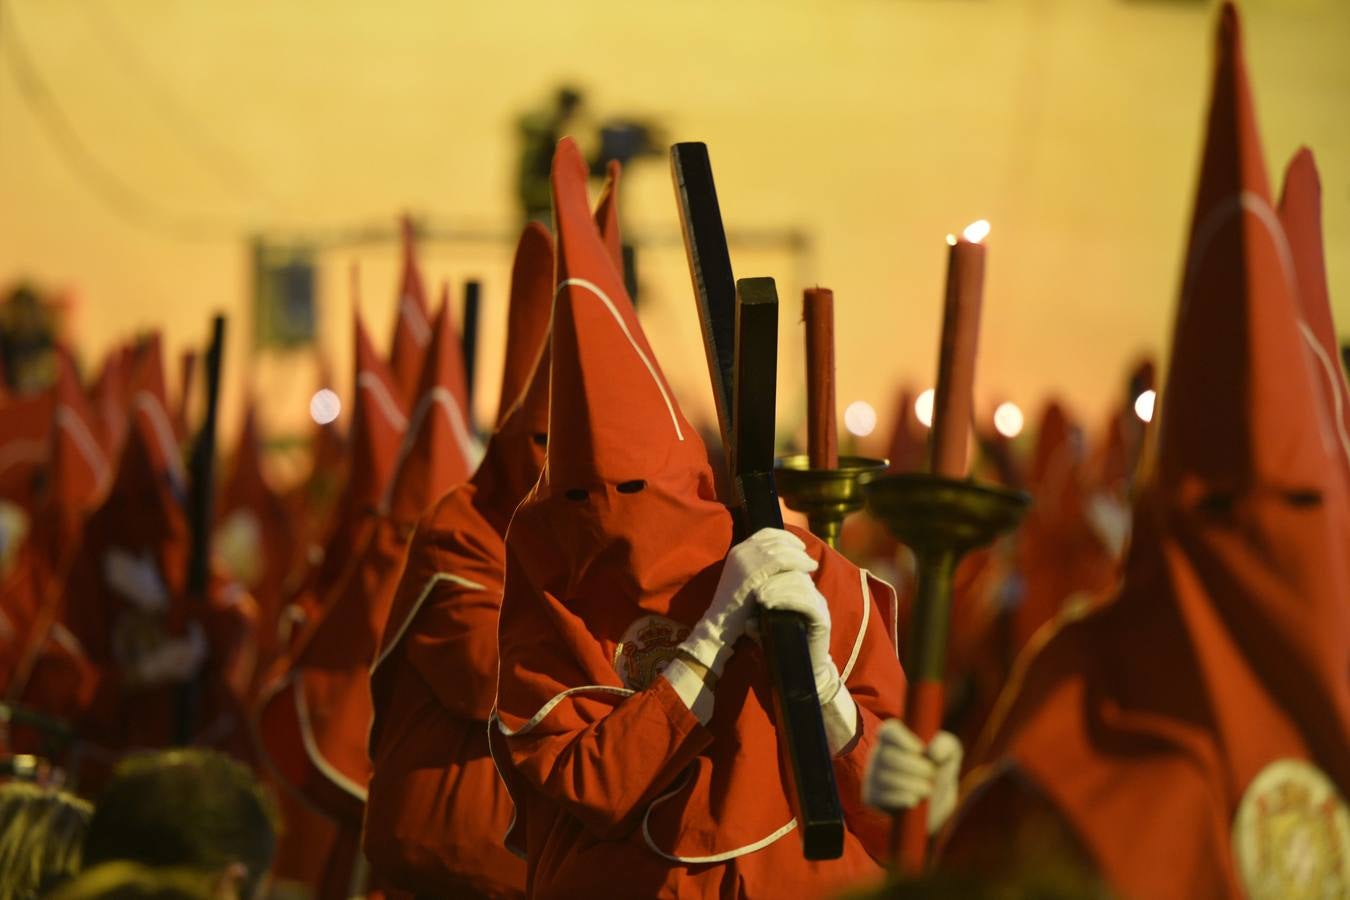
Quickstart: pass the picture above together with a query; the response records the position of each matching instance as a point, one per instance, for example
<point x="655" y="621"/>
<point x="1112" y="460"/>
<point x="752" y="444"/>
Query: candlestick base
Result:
<point x="940" y="519"/>
<point x="930" y="513"/>
<point x="826" y="496"/>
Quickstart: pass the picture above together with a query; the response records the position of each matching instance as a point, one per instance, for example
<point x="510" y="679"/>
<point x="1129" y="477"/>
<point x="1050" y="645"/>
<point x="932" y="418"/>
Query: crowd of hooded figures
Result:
<point x="528" y="660"/>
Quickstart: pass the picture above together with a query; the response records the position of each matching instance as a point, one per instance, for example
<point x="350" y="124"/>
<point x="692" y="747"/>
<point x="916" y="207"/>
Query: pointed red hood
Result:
<point x="246" y="485"/>
<point x="607" y="215"/>
<point x="528" y="313"/>
<point x="25" y="425"/>
<point x="412" y="320"/>
<point x="438" y="450"/>
<point x="908" y="448"/>
<point x="255" y="535"/>
<point x="78" y="471"/>
<point x="150" y="416"/>
<point x="1238" y="315"/>
<point x="514" y="454"/>
<point x="623" y="422"/>
<point x="1228" y="647"/>
<point x="626" y="469"/>
<point x="1059" y="553"/>
<point x="1301" y="215"/>
<point x="1248" y="487"/>
<point x="108" y="394"/>
<point x="379" y="419"/>
<point x="1058" y="453"/>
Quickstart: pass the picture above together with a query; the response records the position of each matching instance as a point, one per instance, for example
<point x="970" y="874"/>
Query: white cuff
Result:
<point x="841" y="719"/>
<point x="692" y="689"/>
<point x="711" y="651"/>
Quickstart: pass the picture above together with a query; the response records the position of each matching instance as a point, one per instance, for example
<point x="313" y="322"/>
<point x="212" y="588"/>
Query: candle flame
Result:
<point x="976" y="231"/>
<point x="951" y="240"/>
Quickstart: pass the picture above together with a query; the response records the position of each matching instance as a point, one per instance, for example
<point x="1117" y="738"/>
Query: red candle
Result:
<point x="953" y="402"/>
<point x="822" y="439"/>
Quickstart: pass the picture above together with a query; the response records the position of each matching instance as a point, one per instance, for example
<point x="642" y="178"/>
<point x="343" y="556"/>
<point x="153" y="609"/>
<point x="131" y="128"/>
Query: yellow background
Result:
<point x="875" y="126"/>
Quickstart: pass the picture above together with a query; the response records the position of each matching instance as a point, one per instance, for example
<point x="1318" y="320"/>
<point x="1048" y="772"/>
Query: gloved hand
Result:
<point x="174" y="661"/>
<point x="902" y="772"/>
<point x="795" y="592"/>
<point x="749" y="566"/>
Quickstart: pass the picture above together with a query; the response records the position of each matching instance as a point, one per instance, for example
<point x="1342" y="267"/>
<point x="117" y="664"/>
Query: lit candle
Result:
<point x="822" y="440"/>
<point x="954" y="399"/>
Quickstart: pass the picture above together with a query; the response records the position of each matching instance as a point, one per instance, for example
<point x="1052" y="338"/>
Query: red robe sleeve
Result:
<point x="606" y="773"/>
<point x="451" y="640"/>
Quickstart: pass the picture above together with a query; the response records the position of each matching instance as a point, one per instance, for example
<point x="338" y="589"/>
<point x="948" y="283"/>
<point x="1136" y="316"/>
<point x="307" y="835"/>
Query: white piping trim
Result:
<point x="623" y="326"/>
<point x="895" y="606"/>
<point x="312" y="748"/>
<point x="66" y="639"/>
<point x="149" y="404"/>
<point x="417" y="323"/>
<point x="412" y="614"/>
<point x="75" y="426"/>
<point x="516" y="851"/>
<point x="862" y="629"/>
<point x="468" y="447"/>
<point x="646" y="832"/>
<point x="371" y="382"/>
<point x="558" y="698"/>
<point x="716" y="857"/>
<point x="20" y="451"/>
<point x="1333" y="375"/>
<point x="1217" y="217"/>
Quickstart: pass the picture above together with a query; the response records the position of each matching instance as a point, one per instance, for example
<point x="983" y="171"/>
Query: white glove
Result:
<point x="136" y="578"/>
<point x="795" y="592"/>
<point x="750" y="564"/>
<point x="902" y="773"/>
<point x="175" y="660"/>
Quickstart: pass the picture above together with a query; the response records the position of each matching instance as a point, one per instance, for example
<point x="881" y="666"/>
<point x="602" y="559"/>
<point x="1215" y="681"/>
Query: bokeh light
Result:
<point x="923" y="408"/>
<point x="1008" y="420"/>
<point x="1143" y="405"/>
<point x="325" y="406"/>
<point x="860" y="418"/>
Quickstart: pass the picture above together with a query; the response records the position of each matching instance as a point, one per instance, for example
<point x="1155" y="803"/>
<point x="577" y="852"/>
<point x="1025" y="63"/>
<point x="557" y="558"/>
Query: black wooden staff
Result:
<point x="200" y="508"/>
<point x="740" y="336"/>
<point x="468" y="336"/>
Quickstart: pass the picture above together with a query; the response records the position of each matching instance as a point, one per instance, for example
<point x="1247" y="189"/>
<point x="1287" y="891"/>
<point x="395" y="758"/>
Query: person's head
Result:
<point x="190" y="808"/>
<point x="133" y="881"/>
<point x="568" y="99"/>
<point x="41" y="831"/>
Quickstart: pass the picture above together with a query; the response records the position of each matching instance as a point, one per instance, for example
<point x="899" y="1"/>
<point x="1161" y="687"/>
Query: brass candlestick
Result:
<point x="826" y="496"/>
<point x="940" y="519"/>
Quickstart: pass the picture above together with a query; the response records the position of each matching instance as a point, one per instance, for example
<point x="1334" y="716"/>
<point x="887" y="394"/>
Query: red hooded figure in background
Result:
<point x="1192" y="737"/>
<point x="640" y="750"/>
<point x="437" y="810"/>
<point x="125" y="599"/>
<point x="379" y="419"/>
<point x="314" y="720"/>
